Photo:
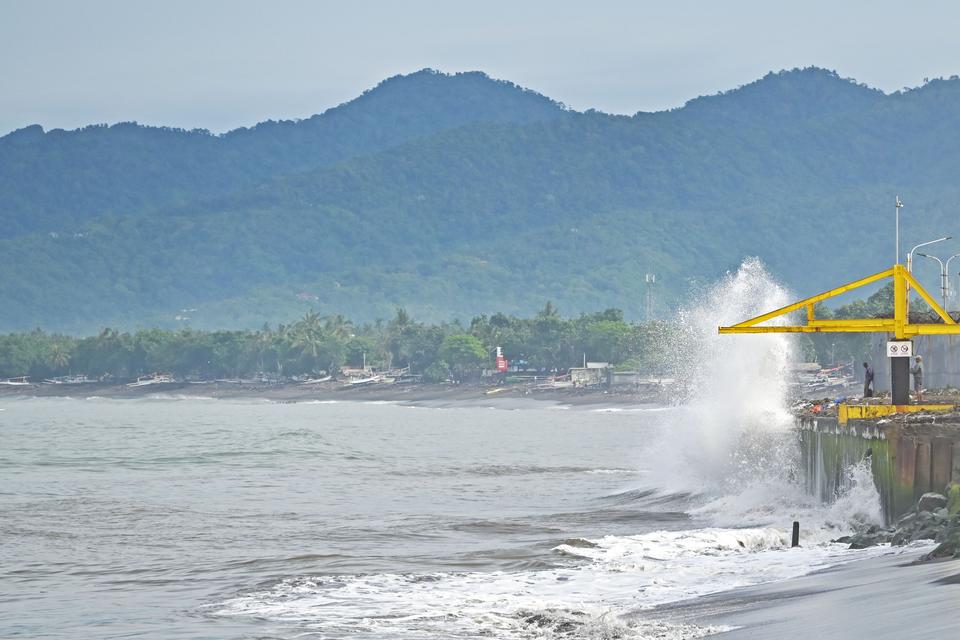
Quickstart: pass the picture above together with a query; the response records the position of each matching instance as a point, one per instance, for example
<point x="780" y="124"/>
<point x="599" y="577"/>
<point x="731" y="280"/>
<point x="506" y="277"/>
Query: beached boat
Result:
<point x="70" y="380"/>
<point x="22" y="381"/>
<point x="317" y="380"/>
<point x="154" y="378"/>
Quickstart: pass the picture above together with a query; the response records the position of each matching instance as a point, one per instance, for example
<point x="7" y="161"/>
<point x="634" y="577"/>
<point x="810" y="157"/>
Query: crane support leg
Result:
<point x="899" y="381"/>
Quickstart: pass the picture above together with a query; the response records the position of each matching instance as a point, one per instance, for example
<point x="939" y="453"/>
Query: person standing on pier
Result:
<point x="917" y="371"/>
<point x="867" y="381"/>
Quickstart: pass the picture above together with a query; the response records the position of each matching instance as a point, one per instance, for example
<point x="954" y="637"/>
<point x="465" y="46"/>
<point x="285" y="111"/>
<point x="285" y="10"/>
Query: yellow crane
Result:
<point x="899" y="325"/>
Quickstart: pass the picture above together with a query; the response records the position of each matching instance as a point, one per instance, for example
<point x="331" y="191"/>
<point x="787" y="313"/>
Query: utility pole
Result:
<point x="898" y="206"/>
<point x="651" y="279"/>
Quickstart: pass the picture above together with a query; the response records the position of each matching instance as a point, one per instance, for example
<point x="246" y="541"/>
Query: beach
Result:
<point x="891" y="596"/>
<point x="467" y="394"/>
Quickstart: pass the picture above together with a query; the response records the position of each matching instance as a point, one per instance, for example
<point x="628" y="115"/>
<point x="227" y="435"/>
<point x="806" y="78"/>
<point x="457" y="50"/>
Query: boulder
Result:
<point x="931" y="502"/>
<point x="953" y="498"/>
<point x="870" y="537"/>
<point x="949" y="548"/>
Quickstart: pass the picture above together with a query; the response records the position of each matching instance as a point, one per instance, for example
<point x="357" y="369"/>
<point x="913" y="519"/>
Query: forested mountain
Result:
<point x="56" y="178"/>
<point x="454" y="194"/>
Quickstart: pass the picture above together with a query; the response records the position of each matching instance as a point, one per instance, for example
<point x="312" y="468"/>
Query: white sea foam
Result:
<point x="630" y="409"/>
<point x="177" y="397"/>
<point x="607" y="582"/>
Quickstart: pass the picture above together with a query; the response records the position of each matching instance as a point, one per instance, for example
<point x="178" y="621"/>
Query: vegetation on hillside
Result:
<point x="454" y="194"/>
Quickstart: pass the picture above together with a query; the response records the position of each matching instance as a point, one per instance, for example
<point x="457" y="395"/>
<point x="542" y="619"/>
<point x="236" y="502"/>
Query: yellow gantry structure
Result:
<point x="899" y="324"/>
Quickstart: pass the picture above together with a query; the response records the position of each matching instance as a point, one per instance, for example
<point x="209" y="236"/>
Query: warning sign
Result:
<point x="900" y="349"/>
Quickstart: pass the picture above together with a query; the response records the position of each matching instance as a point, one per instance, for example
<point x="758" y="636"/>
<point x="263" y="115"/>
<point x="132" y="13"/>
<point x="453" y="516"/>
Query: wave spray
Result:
<point x="732" y="441"/>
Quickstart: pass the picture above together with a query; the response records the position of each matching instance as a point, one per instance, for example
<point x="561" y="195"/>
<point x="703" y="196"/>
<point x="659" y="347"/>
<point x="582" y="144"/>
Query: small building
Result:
<point x="595" y="374"/>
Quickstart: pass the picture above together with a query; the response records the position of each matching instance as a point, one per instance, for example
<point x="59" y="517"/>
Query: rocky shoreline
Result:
<point x="935" y="517"/>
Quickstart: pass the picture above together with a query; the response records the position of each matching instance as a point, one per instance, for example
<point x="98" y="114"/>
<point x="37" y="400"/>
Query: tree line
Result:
<point x="322" y="345"/>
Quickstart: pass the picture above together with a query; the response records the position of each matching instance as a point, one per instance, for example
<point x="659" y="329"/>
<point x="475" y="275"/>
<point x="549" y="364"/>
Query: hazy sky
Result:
<point x="219" y="65"/>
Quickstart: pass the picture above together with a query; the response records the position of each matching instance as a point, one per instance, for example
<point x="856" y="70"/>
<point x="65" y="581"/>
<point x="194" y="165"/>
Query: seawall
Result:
<point x="909" y="456"/>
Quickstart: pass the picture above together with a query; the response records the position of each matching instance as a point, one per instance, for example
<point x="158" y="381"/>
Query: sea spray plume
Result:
<point x="732" y="442"/>
<point x="733" y="425"/>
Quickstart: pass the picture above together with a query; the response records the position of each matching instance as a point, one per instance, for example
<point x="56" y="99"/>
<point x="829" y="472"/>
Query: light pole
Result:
<point x="899" y="205"/>
<point x="910" y="260"/>
<point x="922" y="244"/>
<point x="944" y="275"/>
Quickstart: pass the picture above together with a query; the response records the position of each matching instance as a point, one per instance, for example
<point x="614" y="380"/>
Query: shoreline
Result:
<point x="437" y="395"/>
<point x="903" y="597"/>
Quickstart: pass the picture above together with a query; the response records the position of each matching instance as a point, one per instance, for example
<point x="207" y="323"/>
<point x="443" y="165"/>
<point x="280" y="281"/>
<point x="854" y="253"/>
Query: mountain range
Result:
<point x="455" y="195"/>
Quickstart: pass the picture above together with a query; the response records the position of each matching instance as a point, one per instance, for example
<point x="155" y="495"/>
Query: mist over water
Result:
<point x="171" y="517"/>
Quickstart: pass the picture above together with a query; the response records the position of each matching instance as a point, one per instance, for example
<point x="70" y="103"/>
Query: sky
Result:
<point x="219" y="65"/>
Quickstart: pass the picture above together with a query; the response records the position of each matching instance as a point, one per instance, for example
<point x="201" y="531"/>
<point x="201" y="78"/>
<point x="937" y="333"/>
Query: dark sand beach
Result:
<point x="419" y="394"/>
<point x="891" y="596"/>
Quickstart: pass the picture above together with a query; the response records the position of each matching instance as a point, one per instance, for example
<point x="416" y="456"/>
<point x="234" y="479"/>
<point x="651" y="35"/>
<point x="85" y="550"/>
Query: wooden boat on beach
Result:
<point x="154" y="378"/>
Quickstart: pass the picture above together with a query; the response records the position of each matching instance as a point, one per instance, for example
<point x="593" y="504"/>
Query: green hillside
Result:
<point x="450" y="195"/>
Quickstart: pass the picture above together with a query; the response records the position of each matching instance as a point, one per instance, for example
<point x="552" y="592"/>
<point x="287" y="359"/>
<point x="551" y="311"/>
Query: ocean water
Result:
<point x="179" y="518"/>
<point x="172" y="517"/>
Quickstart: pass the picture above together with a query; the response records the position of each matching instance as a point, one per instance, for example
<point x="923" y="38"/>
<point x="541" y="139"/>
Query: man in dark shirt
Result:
<point x="867" y="381"/>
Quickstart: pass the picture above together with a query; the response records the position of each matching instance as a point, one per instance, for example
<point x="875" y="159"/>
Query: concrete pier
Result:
<point x="909" y="456"/>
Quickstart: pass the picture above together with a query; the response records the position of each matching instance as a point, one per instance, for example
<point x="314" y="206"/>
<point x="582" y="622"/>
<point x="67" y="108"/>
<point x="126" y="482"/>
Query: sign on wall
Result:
<point x="900" y="348"/>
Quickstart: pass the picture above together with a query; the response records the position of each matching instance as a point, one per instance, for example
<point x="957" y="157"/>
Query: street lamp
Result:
<point x="910" y="260"/>
<point x="944" y="274"/>
<point x="922" y="244"/>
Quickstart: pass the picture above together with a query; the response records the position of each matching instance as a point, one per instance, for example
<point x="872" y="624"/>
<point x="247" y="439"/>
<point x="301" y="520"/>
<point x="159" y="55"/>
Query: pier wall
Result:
<point x="906" y="460"/>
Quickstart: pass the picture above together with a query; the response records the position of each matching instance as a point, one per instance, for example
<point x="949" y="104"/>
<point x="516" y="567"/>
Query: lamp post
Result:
<point x="944" y="275"/>
<point x="910" y="261"/>
<point x="922" y="244"/>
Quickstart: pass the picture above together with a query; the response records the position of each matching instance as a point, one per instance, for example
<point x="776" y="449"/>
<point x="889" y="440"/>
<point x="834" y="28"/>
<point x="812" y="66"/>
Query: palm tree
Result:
<point x="308" y="336"/>
<point x="59" y="356"/>
<point x="338" y="327"/>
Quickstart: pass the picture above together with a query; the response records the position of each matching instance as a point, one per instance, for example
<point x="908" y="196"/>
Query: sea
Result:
<point x="171" y="517"/>
<point x="167" y="517"/>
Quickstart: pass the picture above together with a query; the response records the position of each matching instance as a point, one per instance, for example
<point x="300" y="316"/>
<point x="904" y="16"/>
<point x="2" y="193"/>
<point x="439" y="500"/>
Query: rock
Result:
<point x="900" y="538"/>
<point x="864" y="540"/>
<point x="953" y="498"/>
<point x="869" y="538"/>
<point x="930" y="532"/>
<point x="949" y="548"/>
<point x="931" y="502"/>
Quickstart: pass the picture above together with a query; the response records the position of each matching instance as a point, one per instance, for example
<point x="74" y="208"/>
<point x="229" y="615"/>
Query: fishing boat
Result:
<point x="370" y="380"/>
<point x="22" y="381"/>
<point x="317" y="380"/>
<point x="69" y="380"/>
<point x="153" y="378"/>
